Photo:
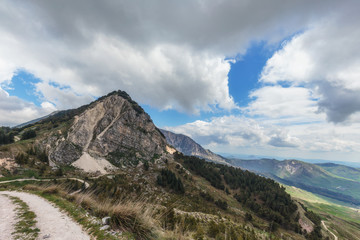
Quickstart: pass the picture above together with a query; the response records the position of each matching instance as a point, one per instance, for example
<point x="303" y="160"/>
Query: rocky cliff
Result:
<point x="114" y="128"/>
<point x="189" y="147"/>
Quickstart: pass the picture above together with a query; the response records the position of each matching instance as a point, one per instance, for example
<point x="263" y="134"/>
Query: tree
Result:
<point x="28" y="134"/>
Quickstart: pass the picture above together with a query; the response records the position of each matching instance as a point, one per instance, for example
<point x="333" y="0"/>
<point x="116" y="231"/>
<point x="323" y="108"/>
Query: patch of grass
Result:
<point x="25" y="227"/>
<point x="28" y="173"/>
<point x="126" y="215"/>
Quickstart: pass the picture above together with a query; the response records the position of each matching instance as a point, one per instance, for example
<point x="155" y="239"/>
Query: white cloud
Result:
<point x="288" y="105"/>
<point x="326" y="60"/>
<point x="15" y="111"/>
<point x="235" y="134"/>
<point x="170" y="55"/>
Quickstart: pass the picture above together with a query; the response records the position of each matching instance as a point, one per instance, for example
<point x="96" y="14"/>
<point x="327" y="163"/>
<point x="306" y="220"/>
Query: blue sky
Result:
<point x="243" y="78"/>
<point x="282" y="82"/>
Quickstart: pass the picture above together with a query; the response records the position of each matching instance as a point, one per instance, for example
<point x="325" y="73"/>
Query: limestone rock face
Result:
<point x="114" y="128"/>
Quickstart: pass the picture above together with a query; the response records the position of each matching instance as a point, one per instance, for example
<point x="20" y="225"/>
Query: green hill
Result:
<point x="341" y="170"/>
<point x="311" y="177"/>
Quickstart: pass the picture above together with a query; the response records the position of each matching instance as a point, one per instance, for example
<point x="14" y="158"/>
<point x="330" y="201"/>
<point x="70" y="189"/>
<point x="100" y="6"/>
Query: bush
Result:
<point x="6" y="135"/>
<point x="28" y="134"/>
<point x="168" y="178"/>
<point x="21" y="158"/>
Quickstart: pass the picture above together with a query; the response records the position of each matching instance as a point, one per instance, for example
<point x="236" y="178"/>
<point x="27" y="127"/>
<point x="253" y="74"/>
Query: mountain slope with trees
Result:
<point x="307" y="176"/>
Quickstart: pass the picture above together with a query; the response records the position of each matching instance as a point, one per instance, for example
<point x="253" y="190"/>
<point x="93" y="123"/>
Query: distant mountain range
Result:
<point x="189" y="147"/>
<point x="335" y="181"/>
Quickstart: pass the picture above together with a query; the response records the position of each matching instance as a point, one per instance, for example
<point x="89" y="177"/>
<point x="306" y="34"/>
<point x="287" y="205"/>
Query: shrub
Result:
<point x="168" y="178"/>
<point x="28" y="134"/>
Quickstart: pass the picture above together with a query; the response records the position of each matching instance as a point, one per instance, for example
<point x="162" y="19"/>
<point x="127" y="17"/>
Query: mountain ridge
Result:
<point x="189" y="147"/>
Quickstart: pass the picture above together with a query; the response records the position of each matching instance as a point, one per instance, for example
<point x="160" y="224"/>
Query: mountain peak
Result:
<point x="113" y="128"/>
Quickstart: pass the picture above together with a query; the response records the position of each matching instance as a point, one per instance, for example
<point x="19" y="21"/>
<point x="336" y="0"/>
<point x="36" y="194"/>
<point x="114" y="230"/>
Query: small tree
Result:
<point x="28" y="134"/>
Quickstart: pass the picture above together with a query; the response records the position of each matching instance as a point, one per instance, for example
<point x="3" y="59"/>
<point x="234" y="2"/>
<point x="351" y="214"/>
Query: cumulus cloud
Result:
<point x="237" y="132"/>
<point x="290" y="105"/>
<point x="326" y="60"/>
<point x="167" y="54"/>
<point x="15" y="111"/>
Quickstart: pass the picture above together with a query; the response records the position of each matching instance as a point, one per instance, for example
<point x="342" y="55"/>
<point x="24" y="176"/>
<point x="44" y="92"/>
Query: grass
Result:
<point x="133" y="218"/>
<point x="323" y="205"/>
<point x="342" y="220"/>
<point x="25" y="228"/>
<point x="25" y="174"/>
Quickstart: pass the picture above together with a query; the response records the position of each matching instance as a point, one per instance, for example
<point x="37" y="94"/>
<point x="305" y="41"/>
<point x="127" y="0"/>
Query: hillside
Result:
<point x="341" y="170"/>
<point x="310" y="177"/>
<point x="133" y="175"/>
<point x="189" y="147"/>
<point x="343" y="221"/>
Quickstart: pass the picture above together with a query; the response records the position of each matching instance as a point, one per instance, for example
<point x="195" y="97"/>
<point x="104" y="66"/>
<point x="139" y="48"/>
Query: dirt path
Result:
<point x="44" y="180"/>
<point x="323" y="223"/>
<point x="7" y="217"/>
<point x="52" y="223"/>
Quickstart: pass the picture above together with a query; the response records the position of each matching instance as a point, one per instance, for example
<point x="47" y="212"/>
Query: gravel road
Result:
<point x="52" y="223"/>
<point x="7" y="217"/>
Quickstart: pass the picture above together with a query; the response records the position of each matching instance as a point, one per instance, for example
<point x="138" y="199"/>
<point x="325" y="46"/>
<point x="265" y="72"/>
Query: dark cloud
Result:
<point x="169" y="54"/>
<point x="338" y="102"/>
<point x="277" y="141"/>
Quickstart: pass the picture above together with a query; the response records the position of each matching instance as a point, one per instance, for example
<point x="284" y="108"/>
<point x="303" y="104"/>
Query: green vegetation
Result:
<point x="341" y="171"/>
<point x="6" y="135"/>
<point x="311" y="177"/>
<point x="31" y="133"/>
<point x="168" y="178"/>
<point x="25" y="227"/>
<point x="263" y="196"/>
<point x="343" y="221"/>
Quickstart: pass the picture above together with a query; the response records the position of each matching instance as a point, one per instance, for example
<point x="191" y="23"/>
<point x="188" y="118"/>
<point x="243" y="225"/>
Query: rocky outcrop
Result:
<point x="189" y="147"/>
<point x="114" y="128"/>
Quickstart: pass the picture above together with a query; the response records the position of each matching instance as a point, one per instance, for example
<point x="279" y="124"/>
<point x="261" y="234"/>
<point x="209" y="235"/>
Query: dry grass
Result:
<point x="126" y="215"/>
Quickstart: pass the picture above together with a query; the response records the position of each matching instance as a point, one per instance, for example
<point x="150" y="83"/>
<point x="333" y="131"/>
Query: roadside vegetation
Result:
<point x="25" y="228"/>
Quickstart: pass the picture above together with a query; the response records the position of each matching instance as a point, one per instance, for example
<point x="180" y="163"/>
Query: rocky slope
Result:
<point x="189" y="147"/>
<point x="113" y="128"/>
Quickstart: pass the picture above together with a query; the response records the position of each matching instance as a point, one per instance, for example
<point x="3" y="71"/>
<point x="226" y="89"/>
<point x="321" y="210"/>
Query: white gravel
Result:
<point x="52" y="223"/>
<point x="7" y="217"/>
